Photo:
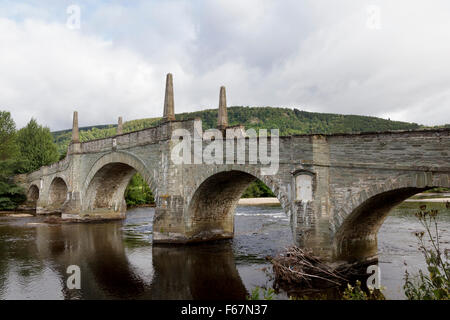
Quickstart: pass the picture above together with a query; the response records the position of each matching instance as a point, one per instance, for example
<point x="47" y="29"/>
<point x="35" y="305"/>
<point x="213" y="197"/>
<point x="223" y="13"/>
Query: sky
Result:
<point x="107" y="59"/>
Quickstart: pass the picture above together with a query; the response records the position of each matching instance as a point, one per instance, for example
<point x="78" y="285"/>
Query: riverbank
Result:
<point x="430" y="197"/>
<point x="145" y="205"/>
<point x="18" y="214"/>
<point x="429" y="200"/>
<point x="421" y="197"/>
<point x="258" y="201"/>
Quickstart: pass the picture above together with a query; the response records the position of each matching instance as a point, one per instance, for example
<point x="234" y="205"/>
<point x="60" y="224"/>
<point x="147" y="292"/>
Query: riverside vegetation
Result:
<point x="435" y="283"/>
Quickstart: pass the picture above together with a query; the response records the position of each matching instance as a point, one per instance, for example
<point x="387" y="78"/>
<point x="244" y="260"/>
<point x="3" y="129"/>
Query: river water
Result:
<point x="118" y="261"/>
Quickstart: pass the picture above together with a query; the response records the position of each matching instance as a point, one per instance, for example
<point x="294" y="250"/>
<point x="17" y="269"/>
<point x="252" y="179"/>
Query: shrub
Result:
<point x="435" y="284"/>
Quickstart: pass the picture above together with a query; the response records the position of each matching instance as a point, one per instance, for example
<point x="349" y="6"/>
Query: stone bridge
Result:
<point x="337" y="189"/>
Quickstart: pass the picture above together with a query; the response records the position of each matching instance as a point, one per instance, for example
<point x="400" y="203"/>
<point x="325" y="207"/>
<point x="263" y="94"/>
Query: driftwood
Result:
<point x="300" y="267"/>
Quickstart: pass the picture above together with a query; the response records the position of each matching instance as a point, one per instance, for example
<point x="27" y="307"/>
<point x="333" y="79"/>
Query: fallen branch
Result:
<point x="300" y="267"/>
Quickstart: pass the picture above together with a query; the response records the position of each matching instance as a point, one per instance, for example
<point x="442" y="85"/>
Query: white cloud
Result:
<point x="50" y="71"/>
<point x="317" y="55"/>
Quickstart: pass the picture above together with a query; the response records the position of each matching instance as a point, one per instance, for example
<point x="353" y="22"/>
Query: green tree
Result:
<point x="10" y="194"/>
<point x="257" y="189"/>
<point x="36" y="147"/>
<point x="138" y="192"/>
<point x="8" y="146"/>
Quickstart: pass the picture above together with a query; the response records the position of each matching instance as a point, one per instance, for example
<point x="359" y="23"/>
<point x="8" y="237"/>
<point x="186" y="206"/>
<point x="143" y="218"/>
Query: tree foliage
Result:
<point x="36" y="147"/>
<point x="11" y="195"/>
<point x="138" y="192"/>
<point x="8" y="146"/>
<point x="294" y="121"/>
<point x="257" y="189"/>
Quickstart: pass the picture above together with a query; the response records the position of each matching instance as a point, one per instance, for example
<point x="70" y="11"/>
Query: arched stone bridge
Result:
<point x="336" y="189"/>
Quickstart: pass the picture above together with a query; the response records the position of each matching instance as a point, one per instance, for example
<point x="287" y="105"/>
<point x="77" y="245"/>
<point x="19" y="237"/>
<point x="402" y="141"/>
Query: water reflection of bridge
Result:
<point x="108" y="272"/>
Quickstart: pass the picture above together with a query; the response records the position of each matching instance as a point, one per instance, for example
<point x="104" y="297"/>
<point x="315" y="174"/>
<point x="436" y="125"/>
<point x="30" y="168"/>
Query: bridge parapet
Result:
<point x="152" y="135"/>
<point x="54" y="168"/>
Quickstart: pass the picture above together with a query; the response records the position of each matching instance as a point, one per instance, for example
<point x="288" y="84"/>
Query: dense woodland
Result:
<point x="33" y="146"/>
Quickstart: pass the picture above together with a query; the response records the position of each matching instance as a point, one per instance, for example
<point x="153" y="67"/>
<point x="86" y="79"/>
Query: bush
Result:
<point x="257" y="189"/>
<point x="435" y="284"/>
<point x="10" y="194"/>
<point x="266" y="293"/>
<point x="138" y="192"/>
<point x="357" y="293"/>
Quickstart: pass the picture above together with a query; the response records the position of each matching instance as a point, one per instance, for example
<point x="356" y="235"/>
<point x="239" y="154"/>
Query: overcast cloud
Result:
<point x="324" y="56"/>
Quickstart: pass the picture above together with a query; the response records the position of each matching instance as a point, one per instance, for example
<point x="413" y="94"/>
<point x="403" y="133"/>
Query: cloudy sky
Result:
<point x="383" y="58"/>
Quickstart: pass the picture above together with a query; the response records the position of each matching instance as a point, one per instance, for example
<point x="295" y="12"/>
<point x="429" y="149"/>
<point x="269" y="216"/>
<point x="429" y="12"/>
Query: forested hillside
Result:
<point x="289" y="121"/>
<point x="293" y="121"/>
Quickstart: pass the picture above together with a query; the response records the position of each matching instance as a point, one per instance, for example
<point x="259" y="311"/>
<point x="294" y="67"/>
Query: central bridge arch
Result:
<point x="213" y="200"/>
<point x="105" y="184"/>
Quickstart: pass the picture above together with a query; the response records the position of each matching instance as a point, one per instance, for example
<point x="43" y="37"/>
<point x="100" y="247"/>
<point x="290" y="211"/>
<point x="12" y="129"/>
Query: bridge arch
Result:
<point x="357" y="223"/>
<point x="33" y="194"/>
<point x="213" y="199"/>
<point x="105" y="184"/>
<point x="57" y="193"/>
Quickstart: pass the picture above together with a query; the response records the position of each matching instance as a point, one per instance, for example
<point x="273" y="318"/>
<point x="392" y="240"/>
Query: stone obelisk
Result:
<point x="169" y="105"/>
<point x="222" y="120"/>
<point x="75" y="133"/>
<point x="120" y="126"/>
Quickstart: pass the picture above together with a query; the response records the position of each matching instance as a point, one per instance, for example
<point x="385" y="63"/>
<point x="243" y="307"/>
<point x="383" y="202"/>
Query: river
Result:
<point x="118" y="261"/>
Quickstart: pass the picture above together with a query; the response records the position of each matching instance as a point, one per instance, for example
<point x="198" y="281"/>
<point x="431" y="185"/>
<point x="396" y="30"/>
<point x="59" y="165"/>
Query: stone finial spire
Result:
<point x="120" y="126"/>
<point x="75" y="133"/>
<point x="169" y="105"/>
<point x="222" y="121"/>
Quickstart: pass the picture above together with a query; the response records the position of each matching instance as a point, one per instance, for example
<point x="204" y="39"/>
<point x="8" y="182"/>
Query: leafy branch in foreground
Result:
<point x="357" y="293"/>
<point x="267" y="294"/>
<point x="436" y="284"/>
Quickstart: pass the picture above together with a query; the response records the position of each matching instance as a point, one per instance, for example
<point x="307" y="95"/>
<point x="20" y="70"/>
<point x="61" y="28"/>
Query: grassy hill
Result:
<point x="288" y="121"/>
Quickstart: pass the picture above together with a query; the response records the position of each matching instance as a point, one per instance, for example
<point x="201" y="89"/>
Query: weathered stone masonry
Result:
<point x="336" y="189"/>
